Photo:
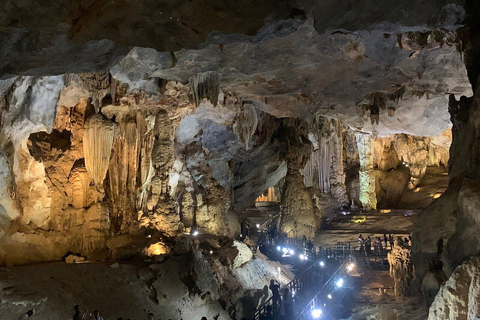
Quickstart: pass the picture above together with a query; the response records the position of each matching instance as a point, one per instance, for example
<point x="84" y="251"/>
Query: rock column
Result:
<point x="366" y="173"/>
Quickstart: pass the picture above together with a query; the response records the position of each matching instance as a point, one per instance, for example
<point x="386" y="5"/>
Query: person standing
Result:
<point x="275" y="287"/>
<point x="96" y="315"/>
<point x="288" y="303"/>
<point x="391" y="240"/>
<point x="361" y="243"/>
<point x="368" y="245"/>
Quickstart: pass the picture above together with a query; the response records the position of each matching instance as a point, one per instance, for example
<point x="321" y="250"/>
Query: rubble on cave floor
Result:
<point x="375" y="299"/>
<point x="205" y="275"/>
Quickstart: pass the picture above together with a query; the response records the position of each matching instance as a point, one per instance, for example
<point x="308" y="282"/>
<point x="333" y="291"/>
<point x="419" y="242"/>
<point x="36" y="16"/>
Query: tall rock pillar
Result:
<point x="366" y="173"/>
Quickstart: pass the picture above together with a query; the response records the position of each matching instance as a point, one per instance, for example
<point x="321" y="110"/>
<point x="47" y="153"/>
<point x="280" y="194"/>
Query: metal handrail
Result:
<point x="313" y="301"/>
<point x="290" y="286"/>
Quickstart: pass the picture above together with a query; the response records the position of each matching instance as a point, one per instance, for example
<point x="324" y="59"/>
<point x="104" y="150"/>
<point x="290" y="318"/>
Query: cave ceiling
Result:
<point x="289" y="58"/>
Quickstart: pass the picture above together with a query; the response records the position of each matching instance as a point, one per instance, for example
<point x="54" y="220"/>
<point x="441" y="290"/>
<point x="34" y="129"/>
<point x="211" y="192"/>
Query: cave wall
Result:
<point x="446" y="233"/>
<point x="98" y="164"/>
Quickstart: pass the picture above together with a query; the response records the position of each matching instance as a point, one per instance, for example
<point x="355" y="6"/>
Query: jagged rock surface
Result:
<point x="402" y="270"/>
<point x="458" y="298"/>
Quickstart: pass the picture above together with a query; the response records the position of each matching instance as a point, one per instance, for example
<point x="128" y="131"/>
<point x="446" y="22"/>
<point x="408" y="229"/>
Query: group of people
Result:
<point x="282" y="303"/>
<point x="379" y="244"/>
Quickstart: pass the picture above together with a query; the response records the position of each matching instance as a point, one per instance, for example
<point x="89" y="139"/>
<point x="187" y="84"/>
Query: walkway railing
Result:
<point x="300" y="281"/>
<point x="325" y="292"/>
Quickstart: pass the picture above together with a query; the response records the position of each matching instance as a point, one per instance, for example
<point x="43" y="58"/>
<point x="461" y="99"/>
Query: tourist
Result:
<point x="204" y="318"/>
<point x="310" y="249"/>
<point x="376" y="245"/>
<point x="287" y="303"/>
<point x="274" y="287"/>
<point x="268" y="315"/>
<point x="368" y="245"/>
<point x="27" y="315"/>
<point x="384" y="241"/>
<point x="150" y="316"/>
<point x="361" y="243"/>
<point x="391" y="240"/>
<point x="96" y="315"/>
<point x="406" y="241"/>
<point x="76" y="315"/>
<point x="304" y="241"/>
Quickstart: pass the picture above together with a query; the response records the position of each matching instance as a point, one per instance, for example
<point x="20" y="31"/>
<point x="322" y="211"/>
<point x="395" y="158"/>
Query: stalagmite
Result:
<point x="366" y="173"/>
<point x="246" y="123"/>
<point x="401" y="269"/>
<point x="205" y="85"/>
<point x="97" y="146"/>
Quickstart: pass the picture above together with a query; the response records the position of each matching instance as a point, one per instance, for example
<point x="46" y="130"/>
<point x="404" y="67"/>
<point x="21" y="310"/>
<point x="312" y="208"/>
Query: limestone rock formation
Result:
<point x="366" y="173"/>
<point x="186" y="285"/>
<point x="402" y="270"/>
<point x="458" y="297"/>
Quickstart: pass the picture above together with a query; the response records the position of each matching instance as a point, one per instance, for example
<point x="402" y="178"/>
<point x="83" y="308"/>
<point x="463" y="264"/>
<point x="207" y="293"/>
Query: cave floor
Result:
<point x="347" y="228"/>
<point x="373" y="298"/>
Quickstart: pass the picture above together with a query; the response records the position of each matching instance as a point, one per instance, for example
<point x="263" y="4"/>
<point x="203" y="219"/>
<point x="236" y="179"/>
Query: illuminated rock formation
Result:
<point x="366" y="173"/>
<point x="97" y="146"/>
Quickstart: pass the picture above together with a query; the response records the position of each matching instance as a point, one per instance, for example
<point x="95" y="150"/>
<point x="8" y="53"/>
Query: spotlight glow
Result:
<point x="279" y="248"/>
<point x="195" y="233"/>
<point x="350" y="267"/>
<point x="316" y="313"/>
<point x="322" y="264"/>
<point x="329" y="296"/>
<point x="302" y="257"/>
<point x="339" y="283"/>
<point x="284" y="250"/>
<point x="258" y="225"/>
<point x="292" y="252"/>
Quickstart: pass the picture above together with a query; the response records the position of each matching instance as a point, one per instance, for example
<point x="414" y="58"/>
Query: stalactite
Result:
<point x="324" y="170"/>
<point x="205" y="85"/>
<point x="99" y="84"/>
<point x="97" y="146"/>
<point x="123" y="171"/>
<point x="246" y="122"/>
